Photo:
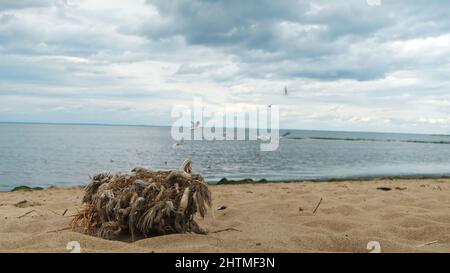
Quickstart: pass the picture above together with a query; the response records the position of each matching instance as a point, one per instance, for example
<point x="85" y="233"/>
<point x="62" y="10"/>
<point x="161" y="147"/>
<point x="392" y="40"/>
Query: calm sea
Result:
<point x="43" y="155"/>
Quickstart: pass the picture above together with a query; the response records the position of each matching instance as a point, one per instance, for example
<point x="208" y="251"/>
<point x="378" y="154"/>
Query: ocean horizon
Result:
<point x="169" y="126"/>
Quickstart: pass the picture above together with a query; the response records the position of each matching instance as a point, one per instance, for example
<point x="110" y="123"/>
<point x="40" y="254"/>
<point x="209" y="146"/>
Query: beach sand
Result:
<point x="272" y="217"/>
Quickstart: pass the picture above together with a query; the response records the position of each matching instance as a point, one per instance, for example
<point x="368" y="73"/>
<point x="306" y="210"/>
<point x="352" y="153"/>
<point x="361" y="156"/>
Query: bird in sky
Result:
<point x="195" y="125"/>
<point x="285" y="91"/>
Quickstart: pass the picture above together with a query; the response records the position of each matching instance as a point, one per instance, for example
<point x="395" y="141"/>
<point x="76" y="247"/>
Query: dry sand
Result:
<point x="275" y="217"/>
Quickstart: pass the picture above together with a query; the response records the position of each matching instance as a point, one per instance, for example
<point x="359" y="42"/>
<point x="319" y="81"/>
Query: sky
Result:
<point x="355" y="65"/>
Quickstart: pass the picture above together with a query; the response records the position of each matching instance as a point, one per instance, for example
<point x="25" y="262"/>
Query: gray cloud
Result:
<point x="364" y="61"/>
<point x="318" y="36"/>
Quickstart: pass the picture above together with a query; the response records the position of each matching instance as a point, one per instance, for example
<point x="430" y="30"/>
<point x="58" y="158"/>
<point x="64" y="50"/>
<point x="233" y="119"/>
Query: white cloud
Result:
<point x="107" y="61"/>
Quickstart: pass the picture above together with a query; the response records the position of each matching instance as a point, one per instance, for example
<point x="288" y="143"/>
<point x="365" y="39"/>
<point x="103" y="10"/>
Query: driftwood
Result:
<point x="143" y="204"/>
<point x="23" y="215"/>
<point x="61" y="229"/>
<point x="427" y="244"/>
<point x="226" y="229"/>
<point x="317" y="206"/>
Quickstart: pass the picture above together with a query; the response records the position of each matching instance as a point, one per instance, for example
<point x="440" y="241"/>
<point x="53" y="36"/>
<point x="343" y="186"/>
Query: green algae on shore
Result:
<point x="26" y="188"/>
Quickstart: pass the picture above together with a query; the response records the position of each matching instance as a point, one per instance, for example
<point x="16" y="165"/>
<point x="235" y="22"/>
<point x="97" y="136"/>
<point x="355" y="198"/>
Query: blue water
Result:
<point x="43" y="155"/>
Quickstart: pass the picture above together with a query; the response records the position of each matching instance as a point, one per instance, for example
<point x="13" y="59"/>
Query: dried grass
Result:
<point x="144" y="203"/>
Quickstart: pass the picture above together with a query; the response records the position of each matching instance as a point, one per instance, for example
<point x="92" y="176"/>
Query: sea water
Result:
<point x="49" y="154"/>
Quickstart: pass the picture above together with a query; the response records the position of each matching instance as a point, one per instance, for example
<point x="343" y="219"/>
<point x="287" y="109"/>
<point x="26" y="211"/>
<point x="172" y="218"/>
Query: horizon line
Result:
<point x="155" y="125"/>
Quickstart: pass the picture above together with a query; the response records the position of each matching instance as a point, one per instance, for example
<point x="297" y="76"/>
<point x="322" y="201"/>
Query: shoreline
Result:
<point x="264" y="217"/>
<point x="225" y="181"/>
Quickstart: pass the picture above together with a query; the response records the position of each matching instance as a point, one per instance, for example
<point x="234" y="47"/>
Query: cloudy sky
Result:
<point x="348" y="65"/>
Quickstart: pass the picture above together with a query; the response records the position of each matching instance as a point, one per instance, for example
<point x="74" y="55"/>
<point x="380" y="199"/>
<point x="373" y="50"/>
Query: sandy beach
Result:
<point x="414" y="216"/>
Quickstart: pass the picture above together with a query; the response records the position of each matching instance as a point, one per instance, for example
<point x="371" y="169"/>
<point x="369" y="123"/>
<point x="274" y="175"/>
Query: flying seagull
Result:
<point x="195" y="125"/>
